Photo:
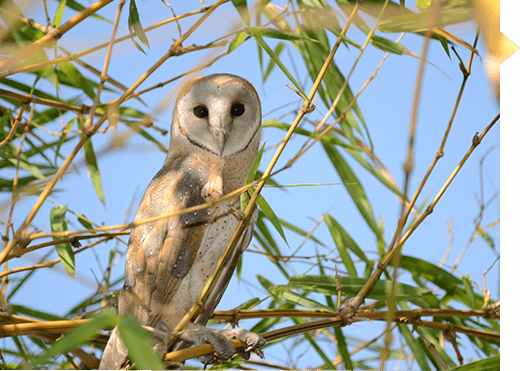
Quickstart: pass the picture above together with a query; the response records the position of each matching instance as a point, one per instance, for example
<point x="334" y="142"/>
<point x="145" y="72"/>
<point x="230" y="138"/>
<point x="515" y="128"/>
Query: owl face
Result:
<point x="219" y="113"/>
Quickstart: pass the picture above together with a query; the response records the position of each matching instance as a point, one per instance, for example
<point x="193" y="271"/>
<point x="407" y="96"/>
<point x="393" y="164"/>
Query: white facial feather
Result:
<point x="219" y="113"/>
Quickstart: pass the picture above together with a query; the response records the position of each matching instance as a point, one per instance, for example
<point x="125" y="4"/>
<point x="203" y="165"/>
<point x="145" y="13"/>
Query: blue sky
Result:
<point x="386" y="107"/>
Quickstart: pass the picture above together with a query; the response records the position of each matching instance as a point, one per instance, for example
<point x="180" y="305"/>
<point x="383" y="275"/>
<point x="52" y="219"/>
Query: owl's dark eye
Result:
<point x="238" y="109"/>
<point x="200" y="112"/>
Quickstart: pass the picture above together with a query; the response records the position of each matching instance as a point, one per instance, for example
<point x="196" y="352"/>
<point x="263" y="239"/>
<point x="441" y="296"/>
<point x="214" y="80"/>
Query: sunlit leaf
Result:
<point x="414" y="22"/>
<point x="93" y="169"/>
<point x="269" y="213"/>
<point x="276" y="34"/>
<point x="135" y="28"/>
<point x="59" y="13"/>
<point x="303" y="301"/>
<point x="486" y="237"/>
<point x="351" y="286"/>
<point x="272" y="62"/>
<point x="488" y="364"/>
<point x="254" y="166"/>
<point x="64" y="250"/>
<point x="77" y="78"/>
<point x="354" y="188"/>
<point x="237" y="41"/>
<point x="469" y="291"/>
<point x="241" y="6"/>
<point x="415" y="347"/>
<point x="279" y="63"/>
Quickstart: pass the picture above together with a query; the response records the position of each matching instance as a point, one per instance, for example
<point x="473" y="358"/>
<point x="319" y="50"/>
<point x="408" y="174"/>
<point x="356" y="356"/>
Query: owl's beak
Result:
<point x="219" y="132"/>
<point x="220" y="139"/>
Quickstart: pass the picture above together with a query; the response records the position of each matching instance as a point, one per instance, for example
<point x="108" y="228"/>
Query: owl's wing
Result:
<point x="161" y="253"/>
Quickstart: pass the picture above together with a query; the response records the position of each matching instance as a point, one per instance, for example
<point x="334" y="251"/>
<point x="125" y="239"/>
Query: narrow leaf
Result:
<point x="93" y="169"/>
<point x="269" y="213"/>
<point x="354" y="188"/>
<point x="241" y="6"/>
<point x="343" y="348"/>
<point x="271" y="64"/>
<point x="415" y="347"/>
<point x="351" y="286"/>
<point x="64" y="250"/>
<point x="278" y="62"/>
<point x="277" y="34"/>
<point x="139" y="344"/>
<point x="77" y="79"/>
<point x="237" y="41"/>
<point x="469" y="291"/>
<point x="488" y="364"/>
<point x="303" y="301"/>
<point x="135" y="28"/>
<point x="79" y="336"/>
<point x="59" y="13"/>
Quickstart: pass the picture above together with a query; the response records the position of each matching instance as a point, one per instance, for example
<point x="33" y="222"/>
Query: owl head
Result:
<point x="218" y="113"/>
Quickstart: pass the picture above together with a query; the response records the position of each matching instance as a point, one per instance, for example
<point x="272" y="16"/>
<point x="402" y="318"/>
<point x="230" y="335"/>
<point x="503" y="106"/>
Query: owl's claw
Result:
<point x="221" y="342"/>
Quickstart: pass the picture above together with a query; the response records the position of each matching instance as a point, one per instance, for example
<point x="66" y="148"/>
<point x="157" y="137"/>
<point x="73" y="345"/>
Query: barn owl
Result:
<point x="215" y="135"/>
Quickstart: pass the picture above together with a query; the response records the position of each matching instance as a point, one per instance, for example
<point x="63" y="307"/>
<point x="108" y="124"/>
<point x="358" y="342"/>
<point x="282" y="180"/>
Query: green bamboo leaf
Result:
<point x="488" y="364"/>
<point x="314" y="56"/>
<point x="303" y="301"/>
<point x="415" y="22"/>
<point x="237" y="41"/>
<point x="351" y="286"/>
<point x="469" y="291"/>
<point x="486" y="237"/>
<point x="254" y="166"/>
<point x="135" y="28"/>
<point x="271" y="64"/>
<point x="278" y="62"/>
<point x="387" y="45"/>
<point x="139" y="344"/>
<point x="341" y="241"/>
<point x="79" y="8"/>
<point x="415" y="347"/>
<point x="77" y="79"/>
<point x="64" y="250"/>
<point x="343" y="349"/>
<point x="346" y="239"/>
<point x="269" y="182"/>
<point x="241" y="6"/>
<point x="23" y="164"/>
<point x="79" y="336"/>
<point x="430" y="272"/>
<point x="262" y="228"/>
<point x="354" y="188"/>
<point x="263" y="236"/>
<point x="93" y="169"/>
<point x="265" y="282"/>
<point x="85" y="222"/>
<point x="277" y="34"/>
<point x="25" y="311"/>
<point x="239" y="268"/>
<point x="329" y="138"/>
<point x="269" y="213"/>
<point x="248" y="304"/>
<point x="59" y="13"/>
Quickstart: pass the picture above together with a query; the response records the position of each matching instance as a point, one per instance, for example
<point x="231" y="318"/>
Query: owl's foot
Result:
<point x="221" y="342"/>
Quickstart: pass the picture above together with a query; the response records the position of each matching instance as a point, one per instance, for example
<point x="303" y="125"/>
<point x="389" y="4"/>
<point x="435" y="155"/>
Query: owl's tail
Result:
<point x="115" y="354"/>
